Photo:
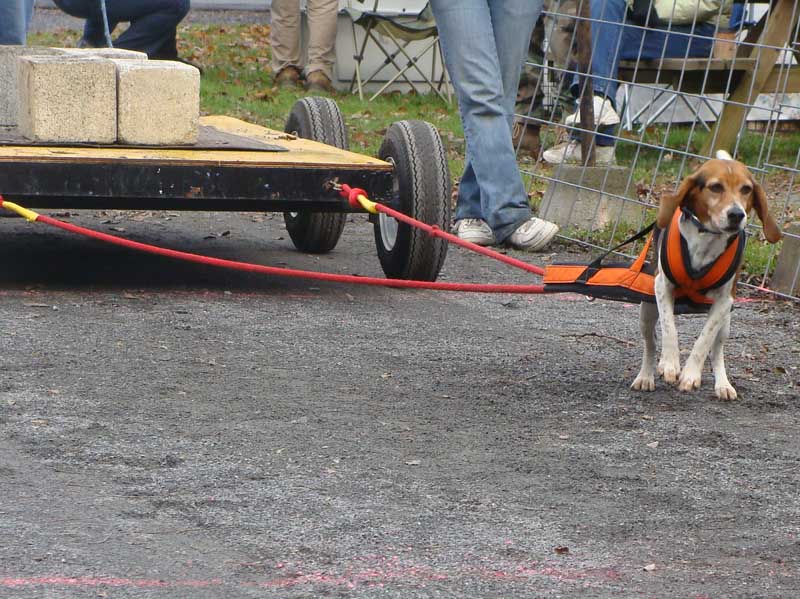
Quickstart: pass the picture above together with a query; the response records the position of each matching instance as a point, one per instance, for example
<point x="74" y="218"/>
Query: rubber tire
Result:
<point x="423" y="184"/>
<point x="321" y="120"/>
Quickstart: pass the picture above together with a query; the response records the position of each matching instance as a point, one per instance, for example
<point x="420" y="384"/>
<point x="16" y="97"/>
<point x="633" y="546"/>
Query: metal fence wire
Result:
<point x="670" y="82"/>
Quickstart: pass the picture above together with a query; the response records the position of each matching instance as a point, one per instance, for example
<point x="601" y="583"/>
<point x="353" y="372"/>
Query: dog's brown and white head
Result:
<point x="721" y="193"/>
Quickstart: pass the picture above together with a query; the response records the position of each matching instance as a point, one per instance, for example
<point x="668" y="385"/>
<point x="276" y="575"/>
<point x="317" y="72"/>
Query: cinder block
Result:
<point x="67" y="99"/>
<point x="786" y="278"/>
<point x="158" y="102"/>
<point x="117" y="53"/>
<point x="590" y="198"/>
<point x="9" y="82"/>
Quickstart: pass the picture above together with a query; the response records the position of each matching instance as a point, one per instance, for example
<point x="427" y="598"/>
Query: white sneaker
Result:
<point x="474" y="230"/>
<point x="570" y="152"/>
<point x="534" y="235"/>
<point x="604" y="113"/>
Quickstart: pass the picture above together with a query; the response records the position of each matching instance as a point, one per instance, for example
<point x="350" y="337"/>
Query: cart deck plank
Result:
<point x="191" y="178"/>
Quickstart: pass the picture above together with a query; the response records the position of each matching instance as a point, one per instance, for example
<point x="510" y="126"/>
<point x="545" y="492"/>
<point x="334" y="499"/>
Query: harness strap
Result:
<point x="677" y="267"/>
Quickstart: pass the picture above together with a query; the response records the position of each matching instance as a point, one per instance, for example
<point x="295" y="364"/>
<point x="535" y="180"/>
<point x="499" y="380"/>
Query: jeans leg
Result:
<point x="679" y="42"/>
<point x="486" y="88"/>
<point x="14" y="22"/>
<point x="152" y="22"/>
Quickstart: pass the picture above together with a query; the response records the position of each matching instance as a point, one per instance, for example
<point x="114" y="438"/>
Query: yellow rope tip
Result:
<point x="23" y="212"/>
<point x="367" y="205"/>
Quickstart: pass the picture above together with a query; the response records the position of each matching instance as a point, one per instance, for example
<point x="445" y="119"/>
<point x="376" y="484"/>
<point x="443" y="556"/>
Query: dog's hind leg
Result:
<point x="722" y="386"/>
<point x="646" y="379"/>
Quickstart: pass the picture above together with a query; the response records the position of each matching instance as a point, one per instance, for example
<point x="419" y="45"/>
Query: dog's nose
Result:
<point x="735" y="216"/>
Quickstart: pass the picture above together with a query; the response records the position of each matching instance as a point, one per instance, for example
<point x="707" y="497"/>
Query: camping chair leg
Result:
<point x="358" y="81"/>
<point x="626" y="108"/>
<point x="389" y="60"/>
<point x="412" y="63"/>
<point x="661" y="109"/>
<point x="641" y="111"/>
<point x="696" y="113"/>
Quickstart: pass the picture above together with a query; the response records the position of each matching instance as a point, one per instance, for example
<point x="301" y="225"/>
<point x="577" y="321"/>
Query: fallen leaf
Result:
<point x="561" y="550"/>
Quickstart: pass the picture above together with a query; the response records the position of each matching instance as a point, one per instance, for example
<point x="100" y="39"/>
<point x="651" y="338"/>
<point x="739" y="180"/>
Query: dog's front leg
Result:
<point x="648" y="315"/>
<point x="692" y="370"/>
<point x="722" y="386"/>
<point x="670" y="364"/>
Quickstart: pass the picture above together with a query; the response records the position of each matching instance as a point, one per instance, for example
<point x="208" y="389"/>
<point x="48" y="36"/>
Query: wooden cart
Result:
<point x="251" y="168"/>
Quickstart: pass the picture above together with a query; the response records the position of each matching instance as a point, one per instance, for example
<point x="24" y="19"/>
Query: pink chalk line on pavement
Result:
<point x="389" y="570"/>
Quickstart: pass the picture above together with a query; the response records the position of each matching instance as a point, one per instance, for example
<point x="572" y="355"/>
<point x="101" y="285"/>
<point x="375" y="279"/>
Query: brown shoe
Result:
<point x="288" y="78"/>
<point x="319" y="83"/>
<point x="526" y="137"/>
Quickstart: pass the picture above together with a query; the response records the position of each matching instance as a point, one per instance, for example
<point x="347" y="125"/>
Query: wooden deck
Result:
<point x="191" y="178"/>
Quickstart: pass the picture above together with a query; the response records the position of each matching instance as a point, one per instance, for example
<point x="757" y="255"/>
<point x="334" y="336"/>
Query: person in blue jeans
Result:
<point x="152" y="30"/>
<point x="484" y="44"/>
<point x="15" y="16"/>
<point x="617" y="36"/>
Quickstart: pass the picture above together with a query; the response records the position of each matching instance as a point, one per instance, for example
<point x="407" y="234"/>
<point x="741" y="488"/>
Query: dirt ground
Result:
<point x="172" y="430"/>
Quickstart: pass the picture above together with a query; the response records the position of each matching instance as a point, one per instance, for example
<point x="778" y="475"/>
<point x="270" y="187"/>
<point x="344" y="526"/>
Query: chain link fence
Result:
<point x="681" y="79"/>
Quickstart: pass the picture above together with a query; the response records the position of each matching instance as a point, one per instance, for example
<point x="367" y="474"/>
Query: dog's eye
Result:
<point x="716" y="188"/>
<point x="746" y="190"/>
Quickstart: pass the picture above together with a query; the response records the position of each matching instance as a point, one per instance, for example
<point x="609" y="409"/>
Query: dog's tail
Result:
<point x="723" y="155"/>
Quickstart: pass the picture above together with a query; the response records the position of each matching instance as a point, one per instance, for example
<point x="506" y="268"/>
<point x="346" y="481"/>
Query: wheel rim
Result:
<point x="389" y="226"/>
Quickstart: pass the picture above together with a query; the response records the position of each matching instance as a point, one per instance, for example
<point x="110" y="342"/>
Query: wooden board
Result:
<point x="302" y="153"/>
<point x="192" y="179"/>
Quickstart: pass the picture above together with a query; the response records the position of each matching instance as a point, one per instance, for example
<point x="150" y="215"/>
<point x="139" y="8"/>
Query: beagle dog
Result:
<point x="714" y="204"/>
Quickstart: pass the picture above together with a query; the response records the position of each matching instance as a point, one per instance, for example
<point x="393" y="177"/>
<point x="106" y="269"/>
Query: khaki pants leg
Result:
<point x="284" y="37"/>
<point x="322" y="18"/>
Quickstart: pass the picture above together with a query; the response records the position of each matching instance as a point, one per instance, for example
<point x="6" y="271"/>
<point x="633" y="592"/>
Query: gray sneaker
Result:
<point x="474" y="230"/>
<point x="533" y="235"/>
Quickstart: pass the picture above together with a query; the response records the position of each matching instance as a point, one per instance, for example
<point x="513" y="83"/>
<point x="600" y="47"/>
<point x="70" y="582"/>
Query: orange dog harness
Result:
<point x="635" y="282"/>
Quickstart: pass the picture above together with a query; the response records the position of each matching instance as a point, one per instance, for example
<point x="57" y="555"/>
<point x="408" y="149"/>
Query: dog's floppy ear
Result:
<point x="670" y="203"/>
<point x="771" y="230"/>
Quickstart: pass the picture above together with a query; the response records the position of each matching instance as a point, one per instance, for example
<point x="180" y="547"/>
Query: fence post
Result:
<point x="587" y="90"/>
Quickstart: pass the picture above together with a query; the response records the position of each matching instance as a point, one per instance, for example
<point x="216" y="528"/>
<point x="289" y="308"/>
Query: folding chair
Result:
<point x="401" y="31"/>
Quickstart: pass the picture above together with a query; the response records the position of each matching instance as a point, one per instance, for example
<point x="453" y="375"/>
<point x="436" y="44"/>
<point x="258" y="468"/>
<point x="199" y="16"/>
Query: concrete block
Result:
<point x="590" y="198"/>
<point x="118" y="53"/>
<point x="786" y="278"/>
<point x="158" y="102"/>
<point x="67" y="99"/>
<point x="9" y="83"/>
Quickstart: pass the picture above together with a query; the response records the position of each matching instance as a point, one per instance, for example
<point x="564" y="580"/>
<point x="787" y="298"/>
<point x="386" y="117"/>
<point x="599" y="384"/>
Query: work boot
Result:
<point x="319" y="83"/>
<point x="525" y="137"/>
<point x="170" y="52"/>
<point x="288" y="78"/>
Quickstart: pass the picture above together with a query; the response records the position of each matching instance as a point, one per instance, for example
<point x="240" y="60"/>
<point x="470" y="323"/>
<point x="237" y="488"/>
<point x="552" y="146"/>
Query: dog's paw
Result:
<point x="725" y="391"/>
<point x="669" y="371"/>
<point x="690" y="380"/>
<point x="644" y="383"/>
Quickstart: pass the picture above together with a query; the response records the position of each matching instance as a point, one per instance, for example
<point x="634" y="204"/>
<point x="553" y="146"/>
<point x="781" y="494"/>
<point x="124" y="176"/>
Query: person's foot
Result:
<point x="570" y="152"/>
<point x="474" y="230"/>
<point x="533" y="235"/>
<point x="604" y="113"/>
<point x="288" y="78"/>
<point x="318" y="82"/>
<point x="526" y="138"/>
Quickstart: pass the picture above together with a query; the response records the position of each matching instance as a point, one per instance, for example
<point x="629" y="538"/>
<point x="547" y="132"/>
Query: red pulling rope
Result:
<point x="351" y="194"/>
<point x="272" y="270"/>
